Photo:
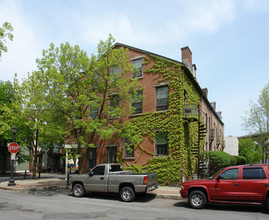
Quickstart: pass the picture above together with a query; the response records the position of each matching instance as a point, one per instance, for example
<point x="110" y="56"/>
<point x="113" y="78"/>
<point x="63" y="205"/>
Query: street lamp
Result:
<point x="12" y="180"/>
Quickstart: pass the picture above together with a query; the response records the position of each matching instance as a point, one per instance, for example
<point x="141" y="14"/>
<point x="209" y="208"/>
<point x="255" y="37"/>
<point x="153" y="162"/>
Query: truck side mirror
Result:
<point x="91" y="173"/>
<point x="219" y="177"/>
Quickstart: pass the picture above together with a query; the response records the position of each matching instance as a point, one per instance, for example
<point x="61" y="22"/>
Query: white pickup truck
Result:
<point x="111" y="178"/>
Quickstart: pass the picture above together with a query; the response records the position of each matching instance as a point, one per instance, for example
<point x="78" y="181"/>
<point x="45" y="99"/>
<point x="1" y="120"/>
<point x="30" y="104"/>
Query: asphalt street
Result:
<point x="60" y="204"/>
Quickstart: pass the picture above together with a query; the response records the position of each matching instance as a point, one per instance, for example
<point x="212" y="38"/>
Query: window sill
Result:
<point x="128" y="158"/>
<point x="160" y="156"/>
<point x="139" y="77"/>
<point x="166" y="110"/>
<point x="135" y="115"/>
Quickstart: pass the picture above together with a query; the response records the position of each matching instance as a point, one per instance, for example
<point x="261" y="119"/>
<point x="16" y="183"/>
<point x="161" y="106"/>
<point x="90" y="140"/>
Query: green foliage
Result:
<point x="5" y="32"/>
<point x="180" y="161"/>
<point x="217" y="160"/>
<point x="240" y="160"/>
<point x="256" y="122"/>
<point x="74" y="85"/>
<point x="233" y="160"/>
<point x="249" y="150"/>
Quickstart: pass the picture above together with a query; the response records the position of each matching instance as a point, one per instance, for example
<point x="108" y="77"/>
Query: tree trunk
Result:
<point x="35" y="155"/>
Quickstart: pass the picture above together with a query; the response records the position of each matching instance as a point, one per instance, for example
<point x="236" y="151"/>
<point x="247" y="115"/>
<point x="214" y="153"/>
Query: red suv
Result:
<point x="244" y="184"/>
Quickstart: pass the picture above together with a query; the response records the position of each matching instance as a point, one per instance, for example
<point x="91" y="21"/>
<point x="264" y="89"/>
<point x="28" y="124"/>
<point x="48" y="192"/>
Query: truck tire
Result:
<point x="127" y="194"/>
<point x="78" y="190"/>
<point x="197" y="199"/>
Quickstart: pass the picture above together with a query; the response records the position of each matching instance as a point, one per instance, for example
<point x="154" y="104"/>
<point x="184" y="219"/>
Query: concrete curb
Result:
<point x="171" y="194"/>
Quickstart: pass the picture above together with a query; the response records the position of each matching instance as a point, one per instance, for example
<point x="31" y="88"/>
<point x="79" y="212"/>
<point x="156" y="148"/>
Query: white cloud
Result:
<point x="209" y="15"/>
<point x="256" y="5"/>
<point x="24" y="48"/>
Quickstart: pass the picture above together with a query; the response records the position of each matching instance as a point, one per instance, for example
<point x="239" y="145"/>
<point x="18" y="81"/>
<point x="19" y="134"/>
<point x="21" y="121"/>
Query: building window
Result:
<point x="128" y="149"/>
<point x="161" y="98"/>
<point x="161" y="145"/>
<point x="115" y="73"/>
<point x="137" y="103"/>
<point x="94" y="113"/>
<point x="112" y="154"/>
<point x="91" y="162"/>
<point x="138" y="71"/>
<point x="114" y="101"/>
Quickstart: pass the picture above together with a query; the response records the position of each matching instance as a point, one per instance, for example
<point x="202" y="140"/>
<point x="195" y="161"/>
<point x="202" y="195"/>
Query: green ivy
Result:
<point x="182" y="134"/>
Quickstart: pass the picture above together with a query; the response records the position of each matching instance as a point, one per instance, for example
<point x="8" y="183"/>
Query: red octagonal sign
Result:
<point x="13" y="147"/>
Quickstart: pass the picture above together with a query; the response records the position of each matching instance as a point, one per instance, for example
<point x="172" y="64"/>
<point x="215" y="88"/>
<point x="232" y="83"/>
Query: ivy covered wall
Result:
<point x="182" y="133"/>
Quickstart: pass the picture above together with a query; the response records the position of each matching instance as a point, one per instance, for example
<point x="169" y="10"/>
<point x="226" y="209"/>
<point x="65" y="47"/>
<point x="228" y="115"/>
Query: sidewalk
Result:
<point x="57" y="183"/>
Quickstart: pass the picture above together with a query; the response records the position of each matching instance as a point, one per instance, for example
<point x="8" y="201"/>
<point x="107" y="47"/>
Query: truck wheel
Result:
<point x="78" y="190"/>
<point x="127" y="194"/>
<point x="197" y="199"/>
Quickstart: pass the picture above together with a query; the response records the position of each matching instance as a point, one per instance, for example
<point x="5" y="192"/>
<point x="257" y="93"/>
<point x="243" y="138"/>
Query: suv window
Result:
<point x="253" y="173"/>
<point x="231" y="174"/>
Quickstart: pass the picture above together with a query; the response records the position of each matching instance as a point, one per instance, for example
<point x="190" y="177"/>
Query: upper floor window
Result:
<point x="138" y="64"/>
<point x="115" y="73"/>
<point x="94" y="113"/>
<point x="114" y="101"/>
<point x="137" y="103"/>
<point x="161" y="98"/>
<point x="161" y="145"/>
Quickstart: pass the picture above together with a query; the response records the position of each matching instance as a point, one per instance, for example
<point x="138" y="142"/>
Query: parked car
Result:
<point x="244" y="184"/>
<point x="110" y="178"/>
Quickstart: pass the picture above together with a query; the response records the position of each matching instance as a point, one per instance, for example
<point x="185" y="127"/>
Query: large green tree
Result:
<point x="40" y="126"/>
<point x="5" y="33"/>
<point x="92" y="94"/>
<point x="257" y="121"/>
<point x="249" y="150"/>
<point x="6" y="100"/>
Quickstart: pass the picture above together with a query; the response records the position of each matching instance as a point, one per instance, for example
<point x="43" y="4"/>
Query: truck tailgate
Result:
<point x="152" y="178"/>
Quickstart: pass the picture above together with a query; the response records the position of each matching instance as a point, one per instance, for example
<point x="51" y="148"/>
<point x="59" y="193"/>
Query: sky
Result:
<point x="229" y="40"/>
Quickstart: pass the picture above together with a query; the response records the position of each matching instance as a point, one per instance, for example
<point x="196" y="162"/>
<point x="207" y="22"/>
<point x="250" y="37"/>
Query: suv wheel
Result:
<point x="267" y="204"/>
<point x="78" y="190"/>
<point x="127" y="194"/>
<point x="197" y="199"/>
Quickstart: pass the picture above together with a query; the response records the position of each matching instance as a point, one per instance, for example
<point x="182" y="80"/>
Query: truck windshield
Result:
<point x="213" y="176"/>
<point x="115" y="168"/>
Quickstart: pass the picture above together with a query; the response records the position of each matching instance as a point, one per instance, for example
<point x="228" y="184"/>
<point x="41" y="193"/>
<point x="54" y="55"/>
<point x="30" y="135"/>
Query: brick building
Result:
<point x="174" y="119"/>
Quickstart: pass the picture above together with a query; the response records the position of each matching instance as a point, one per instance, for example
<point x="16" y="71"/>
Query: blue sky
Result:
<point x="229" y="39"/>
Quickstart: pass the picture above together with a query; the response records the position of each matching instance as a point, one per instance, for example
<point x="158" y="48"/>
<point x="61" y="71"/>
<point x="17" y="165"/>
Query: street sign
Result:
<point x="13" y="147"/>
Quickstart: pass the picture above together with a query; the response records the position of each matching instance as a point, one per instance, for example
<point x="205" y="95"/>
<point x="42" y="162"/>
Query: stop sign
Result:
<point x="13" y="147"/>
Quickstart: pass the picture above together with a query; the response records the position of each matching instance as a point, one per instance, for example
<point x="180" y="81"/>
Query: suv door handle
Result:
<point x="266" y="184"/>
<point x="236" y="184"/>
<point x="101" y="178"/>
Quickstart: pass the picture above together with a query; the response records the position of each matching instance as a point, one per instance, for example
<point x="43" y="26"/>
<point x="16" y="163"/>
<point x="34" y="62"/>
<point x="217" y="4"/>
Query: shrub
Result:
<point x="216" y="160"/>
<point x="240" y="160"/>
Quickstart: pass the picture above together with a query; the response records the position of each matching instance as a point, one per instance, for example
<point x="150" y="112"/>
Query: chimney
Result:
<point x="205" y="91"/>
<point x="186" y="56"/>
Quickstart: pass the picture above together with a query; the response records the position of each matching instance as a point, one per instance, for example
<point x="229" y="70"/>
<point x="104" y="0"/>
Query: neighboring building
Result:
<point x="231" y="145"/>
<point x="172" y="120"/>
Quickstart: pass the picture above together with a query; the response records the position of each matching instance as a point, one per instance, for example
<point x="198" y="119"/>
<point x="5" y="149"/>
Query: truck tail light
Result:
<point x="145" y="180"/>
